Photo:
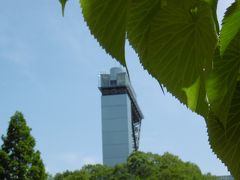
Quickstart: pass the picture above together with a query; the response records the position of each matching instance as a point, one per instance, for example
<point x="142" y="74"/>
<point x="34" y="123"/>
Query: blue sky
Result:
<point x="49" y="68"/>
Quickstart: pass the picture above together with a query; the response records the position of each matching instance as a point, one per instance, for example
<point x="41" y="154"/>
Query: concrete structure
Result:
<point x="121" y="117"/>
<point x="225" y="178"/>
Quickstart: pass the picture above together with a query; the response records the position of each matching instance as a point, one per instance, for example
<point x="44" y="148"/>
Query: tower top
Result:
<point x="116" y="78"/>
<point x="114" y="71"/>
<point x="118" y="82"/>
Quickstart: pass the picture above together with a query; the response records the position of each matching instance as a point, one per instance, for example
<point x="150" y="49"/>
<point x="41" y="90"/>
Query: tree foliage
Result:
<point x="181" y="45"/>
<point x="18" y="159"/>
<point x="140" y="166"/>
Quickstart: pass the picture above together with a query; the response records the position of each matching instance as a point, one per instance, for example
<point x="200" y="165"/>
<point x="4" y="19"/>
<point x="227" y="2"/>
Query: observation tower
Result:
<point x="121" y="117"/>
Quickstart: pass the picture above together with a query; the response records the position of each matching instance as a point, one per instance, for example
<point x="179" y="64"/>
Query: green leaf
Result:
<point x="227" y="145"/>
<point x="107" y="22"/>
<point x="63" y="3"/>
<point x="231" y="26"/>
<point x="222" y="81"/>
<point x="175" y="41"/>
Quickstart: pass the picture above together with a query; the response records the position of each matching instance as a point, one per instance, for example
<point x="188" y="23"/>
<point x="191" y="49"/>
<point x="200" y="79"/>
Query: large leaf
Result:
<point x="107" y="22"/>
<point x="231" y="26"/>
<point x="222" y="82"/>
<point x="227" y="145"/>
<point x="175" y="41"/>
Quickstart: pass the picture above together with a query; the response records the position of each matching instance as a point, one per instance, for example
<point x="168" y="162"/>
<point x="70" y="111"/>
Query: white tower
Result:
<point x="121" y="117"/>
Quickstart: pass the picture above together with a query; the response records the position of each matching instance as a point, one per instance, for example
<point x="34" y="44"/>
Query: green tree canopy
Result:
<point x="140" y="166"/>
<point x="18" y="159"/>
<point x="181" y="44"/>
